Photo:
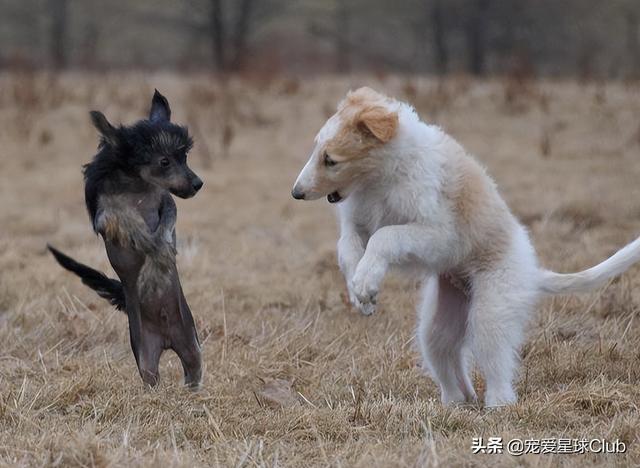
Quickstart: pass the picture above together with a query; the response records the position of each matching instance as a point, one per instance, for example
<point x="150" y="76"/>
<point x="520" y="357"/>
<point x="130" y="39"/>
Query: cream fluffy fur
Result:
<point x="412" y="197"/>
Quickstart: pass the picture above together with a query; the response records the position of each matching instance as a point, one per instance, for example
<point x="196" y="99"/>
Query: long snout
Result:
<point x="297" y="193"/>
<point x="189" y="185"/>
<point x="300" y="193"/>
<point x="305" y="185"/>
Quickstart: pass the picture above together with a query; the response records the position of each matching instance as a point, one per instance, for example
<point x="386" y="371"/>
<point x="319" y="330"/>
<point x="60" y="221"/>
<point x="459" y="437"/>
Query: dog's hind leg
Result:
<point x="441" y="335"/>
<point x="145" y="344"/>
<point x="190" y="356"/>
<point x="184" y="341"/>
<point x="499" y="311"/>
<point x="150" y="350"/>
<point x="135" y="329"/>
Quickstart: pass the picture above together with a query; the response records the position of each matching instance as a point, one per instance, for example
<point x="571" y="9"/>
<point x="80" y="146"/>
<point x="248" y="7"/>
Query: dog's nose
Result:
<point x="297" y="194"/>
<point x="197" y="184"/>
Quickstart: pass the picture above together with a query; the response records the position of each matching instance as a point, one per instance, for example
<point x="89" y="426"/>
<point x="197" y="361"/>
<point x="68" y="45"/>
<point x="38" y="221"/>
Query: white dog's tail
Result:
<point x="557" y="283"/>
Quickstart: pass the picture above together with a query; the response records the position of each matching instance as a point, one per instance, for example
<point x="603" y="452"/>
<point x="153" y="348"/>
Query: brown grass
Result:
<point x="293" y="377"/>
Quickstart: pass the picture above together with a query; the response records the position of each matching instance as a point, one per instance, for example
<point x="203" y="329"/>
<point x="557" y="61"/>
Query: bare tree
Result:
<point x="241" y="32"/>
<point x="216" y="28"/>
<point x="343" y="52"/>
<point x="58" y="11"/>
<point x="476" y="32"/>
<point x="633" y="46"/>
<point x="440" y="51"/>
<point x="229" y="42"/>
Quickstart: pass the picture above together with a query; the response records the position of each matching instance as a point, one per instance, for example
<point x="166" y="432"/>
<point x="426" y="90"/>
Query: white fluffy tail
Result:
<point x="558" y="283"/>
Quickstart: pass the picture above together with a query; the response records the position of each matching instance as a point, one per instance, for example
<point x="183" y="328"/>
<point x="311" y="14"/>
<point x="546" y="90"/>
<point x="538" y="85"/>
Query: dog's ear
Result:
<point x="108" y="132"/>
<point x="379" y="122"/>
<point x="160" y="110"/>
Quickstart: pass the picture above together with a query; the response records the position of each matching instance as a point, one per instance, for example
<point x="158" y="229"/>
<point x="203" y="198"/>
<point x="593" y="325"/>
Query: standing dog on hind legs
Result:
<point x="411" y="196"/>
<point x="128" y="188"/>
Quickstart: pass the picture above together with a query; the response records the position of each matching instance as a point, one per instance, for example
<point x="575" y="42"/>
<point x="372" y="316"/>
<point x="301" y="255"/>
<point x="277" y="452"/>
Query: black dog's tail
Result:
<point x="107" y="288"/>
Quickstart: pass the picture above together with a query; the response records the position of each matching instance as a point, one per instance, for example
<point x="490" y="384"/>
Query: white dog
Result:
<point x="411" y="196"/>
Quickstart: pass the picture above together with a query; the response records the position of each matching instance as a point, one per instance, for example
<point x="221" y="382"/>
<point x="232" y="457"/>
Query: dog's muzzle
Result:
<point x="297" y="194"/>
<point x="197" y="184"/>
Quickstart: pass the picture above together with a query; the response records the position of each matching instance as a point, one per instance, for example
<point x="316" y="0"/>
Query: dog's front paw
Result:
<point x="168" y="236"/>
<point x="365" y="309"/>
<point x="363" y="293"/>
<point x="163" y="238"/>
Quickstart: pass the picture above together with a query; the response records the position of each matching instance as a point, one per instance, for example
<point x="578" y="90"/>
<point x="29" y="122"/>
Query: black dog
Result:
<point x="127" y="192"/>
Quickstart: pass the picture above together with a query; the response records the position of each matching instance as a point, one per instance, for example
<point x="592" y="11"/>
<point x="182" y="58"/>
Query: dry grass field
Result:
<point x="293" y="377"/>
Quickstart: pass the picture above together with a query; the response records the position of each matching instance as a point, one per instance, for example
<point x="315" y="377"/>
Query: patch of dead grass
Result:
<point x="293" y="377"/>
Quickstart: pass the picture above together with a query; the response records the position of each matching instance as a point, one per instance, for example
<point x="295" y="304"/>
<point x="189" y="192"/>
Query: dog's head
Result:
<point x="155" y="149"/>
<point x="345" y="146"/>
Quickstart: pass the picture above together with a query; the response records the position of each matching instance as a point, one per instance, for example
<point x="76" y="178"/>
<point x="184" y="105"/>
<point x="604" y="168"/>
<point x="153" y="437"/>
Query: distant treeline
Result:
<point x="583" y="38"/>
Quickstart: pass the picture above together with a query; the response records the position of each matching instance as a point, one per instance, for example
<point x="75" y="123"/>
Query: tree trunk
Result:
<point x="633" y="48"/>
<point x="241" y="32"/>
<point x="343" y="54"/>
<point x="439" y="38"/>
<point x="216" y="26"/>
<point x="477" y="36"/>
<point x="58" y="33"/>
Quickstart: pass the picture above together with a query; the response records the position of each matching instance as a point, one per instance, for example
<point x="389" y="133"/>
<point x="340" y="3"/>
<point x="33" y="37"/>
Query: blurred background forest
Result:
<point x="580" y="38"/>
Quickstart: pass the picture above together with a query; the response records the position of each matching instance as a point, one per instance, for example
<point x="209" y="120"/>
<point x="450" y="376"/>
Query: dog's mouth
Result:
<point x="183" y="193"/>
<point x="334" y="197"/>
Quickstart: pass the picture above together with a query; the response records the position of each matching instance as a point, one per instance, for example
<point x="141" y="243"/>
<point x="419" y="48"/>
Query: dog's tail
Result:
<point x="107" y="288"/>
<point x="557" y="283"/>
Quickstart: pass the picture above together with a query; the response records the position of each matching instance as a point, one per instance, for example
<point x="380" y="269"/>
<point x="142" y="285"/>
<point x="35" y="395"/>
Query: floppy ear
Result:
<point x="160" y="110"/>
<point x="107" y="130"/>
<point x="379" y="122"/>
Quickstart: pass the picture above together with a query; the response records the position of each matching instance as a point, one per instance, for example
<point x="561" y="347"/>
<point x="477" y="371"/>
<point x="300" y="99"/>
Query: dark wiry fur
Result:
<point x="128" y="188"/>
<point x="133" y="148"/>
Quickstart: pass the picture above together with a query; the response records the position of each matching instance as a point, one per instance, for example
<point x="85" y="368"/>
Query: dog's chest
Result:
<point x="130" y="212"/>
<point x="371" y="214"/>
<point x="128" y="223"/>
<point x="142" y="206"/>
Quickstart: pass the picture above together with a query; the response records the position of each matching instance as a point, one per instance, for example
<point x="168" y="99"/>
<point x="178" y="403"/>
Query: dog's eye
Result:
<point x="328" y="161"/>
<point x="164" y="162"/>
